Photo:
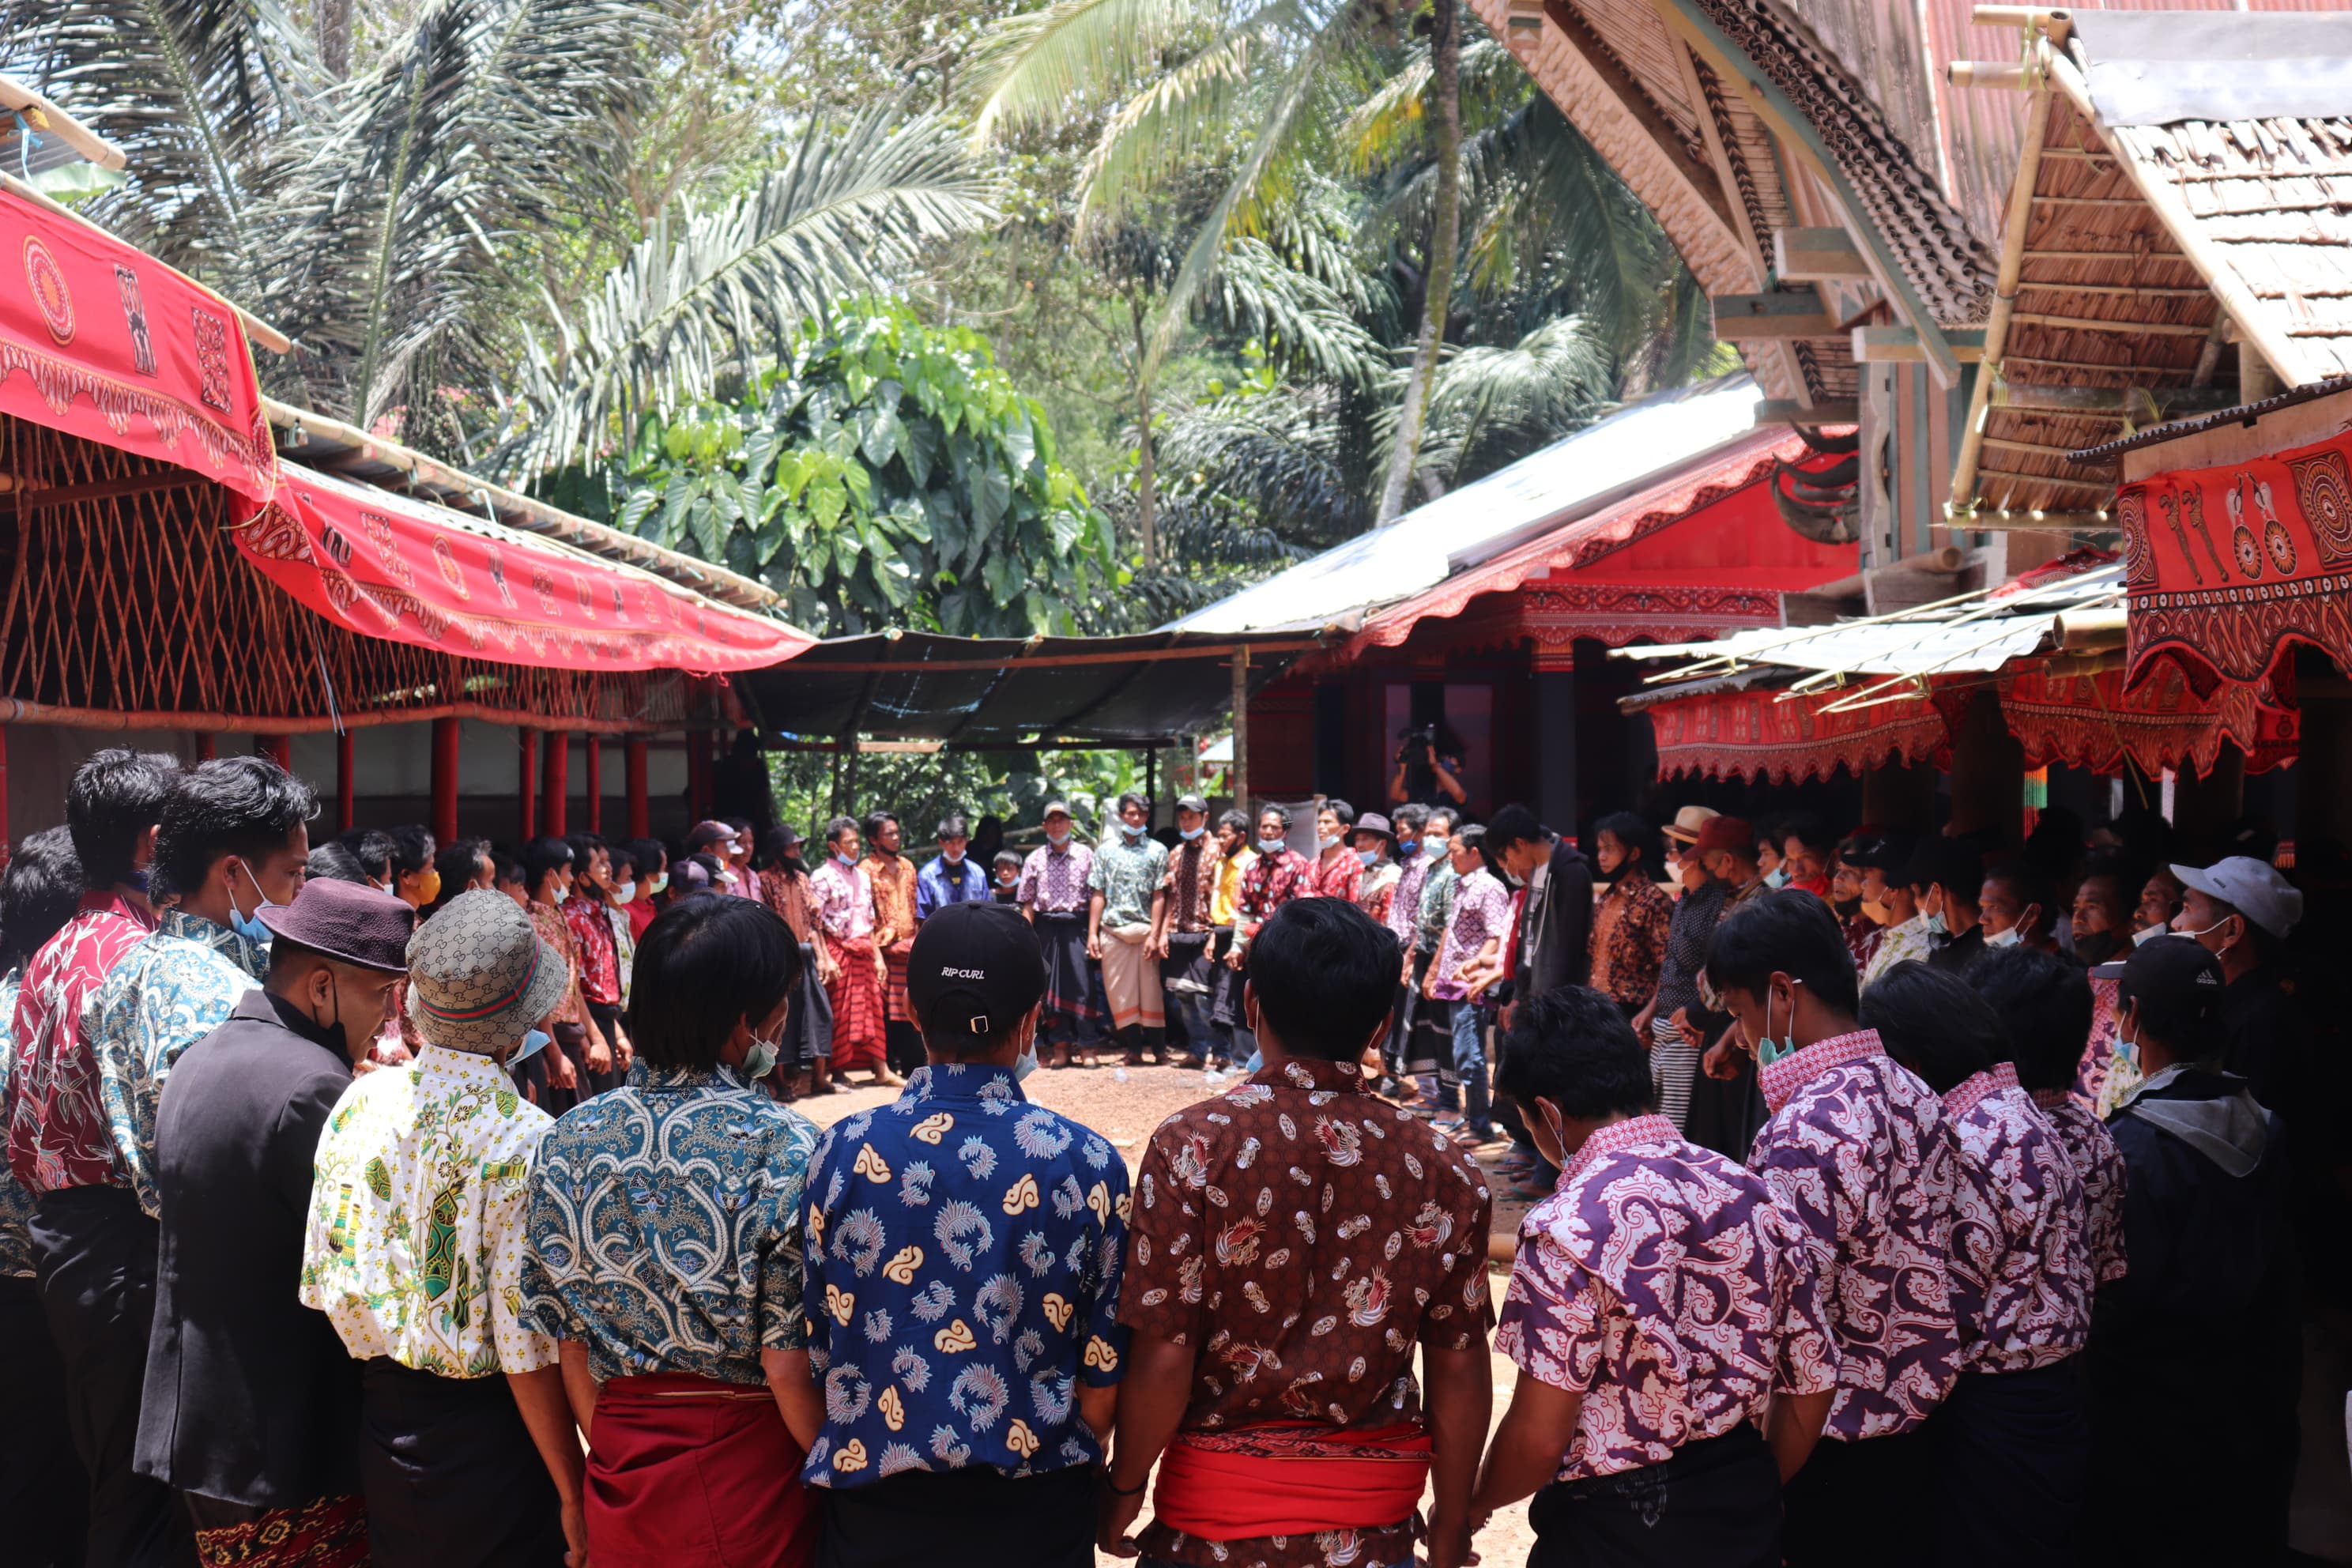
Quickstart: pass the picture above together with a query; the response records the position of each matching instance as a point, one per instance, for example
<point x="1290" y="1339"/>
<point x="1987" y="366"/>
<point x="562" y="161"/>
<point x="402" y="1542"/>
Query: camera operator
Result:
<point x="1424" y="772"/>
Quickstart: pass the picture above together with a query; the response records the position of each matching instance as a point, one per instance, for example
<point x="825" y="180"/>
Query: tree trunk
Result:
<point x="335" y="38"/>
<point x="1147" y="489"/>
<point x="1445" y="234"/>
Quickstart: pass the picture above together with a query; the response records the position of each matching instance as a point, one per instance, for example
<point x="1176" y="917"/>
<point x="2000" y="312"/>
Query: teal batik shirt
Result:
<point x="665" y="1229"/>
<point x="175" y="987"/>
<point x="1127" y="875"/>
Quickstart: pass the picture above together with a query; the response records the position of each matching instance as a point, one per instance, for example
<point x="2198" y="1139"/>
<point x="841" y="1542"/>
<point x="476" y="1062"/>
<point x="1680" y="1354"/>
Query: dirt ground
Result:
<point x="1124" y="1104"/>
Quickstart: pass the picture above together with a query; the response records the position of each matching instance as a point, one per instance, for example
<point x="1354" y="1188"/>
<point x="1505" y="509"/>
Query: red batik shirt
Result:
<point x="599" y="957"/>
<point x="59" y="1133"/>
<point x="1337" y="877"/>
<point x="2100" y="1165"/>
<point x="2022" y="1277"/>
<point x="1270" y="882"/>
<point x="1661" y="1282"/>
<point x="1305" y="1236"/>
<point x="1861" y="1153"/>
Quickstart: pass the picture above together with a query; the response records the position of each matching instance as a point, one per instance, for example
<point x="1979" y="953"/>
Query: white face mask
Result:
<point x="952" y="856"/>
<point x="2009" y="938"/>
<point x="2142" y="937"/>
<point x="625" y="893"/>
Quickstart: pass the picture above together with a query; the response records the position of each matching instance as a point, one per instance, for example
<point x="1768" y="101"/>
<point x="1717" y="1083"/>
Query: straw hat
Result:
<point x="479" y="976"/>
<point x="1684" y="827"/>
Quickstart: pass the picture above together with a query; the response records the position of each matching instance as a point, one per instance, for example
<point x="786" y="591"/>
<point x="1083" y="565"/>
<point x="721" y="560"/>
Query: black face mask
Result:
<point x="793" y="863"/>
<point x="1847" y="908"/>
<point x="2098" y="946"/>
<point x="329" y="1037"/>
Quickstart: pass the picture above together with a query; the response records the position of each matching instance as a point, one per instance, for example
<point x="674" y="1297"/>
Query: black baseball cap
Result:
<point x="2177" y="974"/>
<point x="1887" y="852"/>
<point x="975" y="970"/>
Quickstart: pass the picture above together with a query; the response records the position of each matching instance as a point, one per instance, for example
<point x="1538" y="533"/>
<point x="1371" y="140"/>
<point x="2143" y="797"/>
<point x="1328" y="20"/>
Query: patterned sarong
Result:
<point x="329" y="1533"/>
<point x="855" y="993"/>
<point x="895" y="1000"/>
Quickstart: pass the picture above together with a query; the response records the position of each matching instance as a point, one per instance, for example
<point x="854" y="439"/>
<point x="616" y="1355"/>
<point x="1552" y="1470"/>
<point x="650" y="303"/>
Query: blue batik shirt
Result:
<point x="963" y="1264"/>
<point x="940" y="884"/>
<point x="664" y="1225"/>
<point x="179" y="984"/>
<point x="16" y="1199"/>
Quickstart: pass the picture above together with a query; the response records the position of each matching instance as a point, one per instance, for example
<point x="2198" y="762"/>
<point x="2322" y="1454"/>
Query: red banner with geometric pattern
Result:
<point x="2229" y="565"/>
<point x="385" y="565"/>
<point x="2093" y="722"/>
<point x="106" y="343"/>
<point x="1753" y="735"/>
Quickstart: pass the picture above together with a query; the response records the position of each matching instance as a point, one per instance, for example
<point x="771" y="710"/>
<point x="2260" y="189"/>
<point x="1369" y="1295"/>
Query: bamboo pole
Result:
<point x="2005" y="286"/>
<point x="1241" y="731"/>
<point x="21" y="710"/>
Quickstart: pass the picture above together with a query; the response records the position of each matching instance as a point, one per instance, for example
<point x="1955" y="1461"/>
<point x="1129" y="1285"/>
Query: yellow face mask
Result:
<point x="428" y="887"/>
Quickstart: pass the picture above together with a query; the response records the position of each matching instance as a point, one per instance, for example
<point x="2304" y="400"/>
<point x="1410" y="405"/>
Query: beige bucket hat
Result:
<point x="479" y="976"/>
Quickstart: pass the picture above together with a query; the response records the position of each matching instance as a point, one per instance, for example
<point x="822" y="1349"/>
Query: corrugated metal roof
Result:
<point x="1416" y="552"/>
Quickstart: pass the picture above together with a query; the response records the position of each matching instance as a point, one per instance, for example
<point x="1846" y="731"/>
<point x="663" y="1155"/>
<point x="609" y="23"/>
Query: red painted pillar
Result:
<point x="595" y="758"/>
<point x="527" y="790"/>
<point x="641" y="822"/>
<point x="204" y="751"/>
<point x="697" y="775"/>
<point x="5" y="839"/>
<point x="556" y="769"/>
<point x="278" y="749"/>
<point x="346" y="783"/>
<point x="444" y="781"/>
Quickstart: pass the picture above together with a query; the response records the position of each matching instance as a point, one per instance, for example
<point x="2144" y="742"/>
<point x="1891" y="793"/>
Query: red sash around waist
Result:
<point x="1290" y="1479"/>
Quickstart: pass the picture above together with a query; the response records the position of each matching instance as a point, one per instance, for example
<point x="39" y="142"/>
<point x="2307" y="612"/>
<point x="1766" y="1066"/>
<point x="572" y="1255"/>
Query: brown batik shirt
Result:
<point x="1192" y="876"/>
<point x="1304" y="1234"/>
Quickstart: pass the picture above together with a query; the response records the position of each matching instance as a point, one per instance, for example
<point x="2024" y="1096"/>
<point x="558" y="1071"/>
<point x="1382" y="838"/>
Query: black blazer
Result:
<point x="250" y="1397"/>
<point x="1558" y="928"/>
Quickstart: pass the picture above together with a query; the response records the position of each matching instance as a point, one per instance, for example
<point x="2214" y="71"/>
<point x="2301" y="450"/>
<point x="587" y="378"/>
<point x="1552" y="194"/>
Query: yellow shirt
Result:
<point x="1221" y="898"/>
<point x="418" y="1205"/>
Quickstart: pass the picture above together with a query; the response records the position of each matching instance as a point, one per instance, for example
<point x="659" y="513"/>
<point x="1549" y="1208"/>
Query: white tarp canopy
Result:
<point x="1423" y="548"/>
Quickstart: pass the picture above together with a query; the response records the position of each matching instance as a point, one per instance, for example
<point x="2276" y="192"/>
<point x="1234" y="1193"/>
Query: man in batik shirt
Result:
<point x="1293" y="1240"/>
<point x="1861" y="1153"/>
<point x="1334" y="872"/>
<point x="1276" y="875"/>
<point x="843" y="899"/>
<point x="1125" y="904"/>
<point x="579" y="1050"/>
<point x="1468" y="965"/>
<point x="664" y="1256"/>
<point x="1055" y="897"/>
<point x="892" y="876"/>
<point x="584" y="909"/>
<point x="2015" y="1426"/>
<point x="414" y="1248"/>
<point x="1185" y="930"/>
<point x="93" y="1248"/>
<point x="1660" y="1300"/>
<point x="964" y="1281"/>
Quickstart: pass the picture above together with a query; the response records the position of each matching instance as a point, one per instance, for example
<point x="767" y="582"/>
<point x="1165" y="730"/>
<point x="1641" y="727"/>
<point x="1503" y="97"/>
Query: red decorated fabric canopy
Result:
<point x="1751" y="735"/>
<point x="384" y="565"/>
<point x="2230" y="564"/>
<point x="2093" y="722"/>
<point x="106" y="343"/>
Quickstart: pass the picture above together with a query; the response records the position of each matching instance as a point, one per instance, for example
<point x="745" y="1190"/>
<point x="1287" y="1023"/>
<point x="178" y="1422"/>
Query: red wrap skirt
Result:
<point x="688" y="1472"/>
<point x="855" y="993"/>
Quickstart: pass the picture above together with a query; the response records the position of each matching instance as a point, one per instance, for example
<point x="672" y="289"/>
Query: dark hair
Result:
<point x="1009" y="858"/>
<point x="1789" y="932"/>
<point x="1807" y="830"/>
<point x="1513" y="825"/>
<point x="1324" y="972"/>
<point x="1931" y="1022"/>
<point x="1412" y="815"/>
<point x="1471" y="836"/>
<point x="1638" y="834"/>
<point x="456" y="862"/>
<point x="1453" y="816"/>
<point x="951" y="826"/>
<point x="248" y="806"/>
<point x="1950" y="865"/>
<point x="115" y="797"/>
<point x="702" y="965"/>
<point x="1572" y="1045"/>
<point x="332" y="862"/>
<point x="839" y="825"/>
<point x="622" y="855"/>
<point x="38" y="893"/>
<point x="505" y="869"/>
<point x="541" y="856"/>
<point x="1279" y="813"/>
<point x="412" y="849"/>
<point x="2044" y="1003"/>
<point x="373" y="847"/>
<point x="1229" y="817"/>
<point x="1342" y="810"/>
<point x="874" y="821"/>
<point x="1128" y="797"/>
<point x="584" y="848"/>
<point x="774" y="851"/>
<point x="649" y="852"/>
<point x="2031" y="885"/>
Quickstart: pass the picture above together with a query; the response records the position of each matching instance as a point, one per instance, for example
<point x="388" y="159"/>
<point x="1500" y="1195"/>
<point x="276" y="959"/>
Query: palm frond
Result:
<point x="1164" y="126"/>
<point x="1304" y="322"/>
<point x="1281" y="456"/>
<point x="1037" y="69"/>
<point x="707" y="289"/>
<point x="1493" y="406"/>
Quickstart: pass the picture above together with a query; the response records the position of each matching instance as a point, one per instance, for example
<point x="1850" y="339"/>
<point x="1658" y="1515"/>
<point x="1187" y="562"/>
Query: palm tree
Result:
<point x="1444" y="238"/>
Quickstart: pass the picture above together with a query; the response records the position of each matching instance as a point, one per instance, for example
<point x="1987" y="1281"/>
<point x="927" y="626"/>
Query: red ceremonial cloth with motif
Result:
<point x="2092" y="722"/>
<point x="103" y="342"/>
<point x="1290" y="1479"/>
<point x="1749" y="735"/>
<point x="2229" y="565"/>
<point x="385" y="565"/>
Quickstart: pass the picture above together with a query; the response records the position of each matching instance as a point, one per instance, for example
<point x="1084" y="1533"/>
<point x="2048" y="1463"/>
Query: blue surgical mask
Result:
<point x="533" y="1042"/>
<point x="1369" y="856"/>
<point x="659" y="885"/>
<point x="1777" y="877"/>
<point x="1321" y="843"/>
<point x="626" y="893"/>
<point x="250" y="926"/>
<point x="1936" y="926"/>
<point x="1024" y="1063"/>
<point x="1190" y="834"/>
<point x="1408" y="847"/>
<point x="1770" y="1050"/>
<point x="761" y="1059"/>
<point x="1272" y="845"/>
<point x="846" y="860"/>
<point x="1057" y="839"/>
<point x="1131" y="831"/>
<point x="2142" y="937"/>
<point x="139" y="881"/>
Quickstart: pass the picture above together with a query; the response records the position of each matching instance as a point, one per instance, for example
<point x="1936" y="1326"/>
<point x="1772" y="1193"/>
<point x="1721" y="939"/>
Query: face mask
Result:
<point x="1369" y="856"/>
<point x="1190" y="834"/>
<point x="952" y="856"/>
<point x="2009" y="938"/>
<point x="2142" y="937"/>
<point x="1408" y="847"/>
<point x="1935" y="926"/>
<point x="1057" y="839"/>
<point x="659" y="883"/>
<point x="533" y="1042"/>
<point x="846" y="860"/>
<point x="2209" y="930"/>
<point x="250" y="926"/>
<point x="1777" y="877"/>
<point x="1321" y="843"/>
<point x="2127" y="1051"/>
<point x="429" y="887"/>
<point x="1025" y="1063"/>
<point x="1272" y="845"/>
<point x="761" y="1059"/>
<point x="1131" y="831"/>
<point x="626" y="893"/>
<point x="1769" y="1050"/>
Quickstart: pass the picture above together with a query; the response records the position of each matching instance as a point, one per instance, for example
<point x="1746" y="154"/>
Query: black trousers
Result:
<point x="451" y="1477"/>
<point x="608" y="1019"/>
<point x="972" y="1518"/>
<point x="2025" y="1438"/>
<point x="1862" y="1504"/>
<point x="95" y="1254"/>
<point x="1716" y="1503"/>
<point x="44" y="1491"/>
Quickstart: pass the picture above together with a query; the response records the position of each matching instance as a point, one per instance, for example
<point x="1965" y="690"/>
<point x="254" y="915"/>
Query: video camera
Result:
<point x="1417" y="744"/>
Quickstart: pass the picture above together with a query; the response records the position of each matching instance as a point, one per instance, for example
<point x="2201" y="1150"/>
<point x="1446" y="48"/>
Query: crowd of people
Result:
<point x="1894" y="1200"/>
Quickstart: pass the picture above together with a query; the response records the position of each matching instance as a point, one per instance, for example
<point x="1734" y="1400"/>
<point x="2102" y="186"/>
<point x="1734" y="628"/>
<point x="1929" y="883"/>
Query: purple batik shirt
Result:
<point x="1663" y="1283"/>
<point x="2100" y="1165"/>
<point x="1859" y="1151"/>
<point x="1482" y="908"/>
<point x="2021" y="1272"/>
<point x="1404" y="906"/>
<point x="1057" y="882"/>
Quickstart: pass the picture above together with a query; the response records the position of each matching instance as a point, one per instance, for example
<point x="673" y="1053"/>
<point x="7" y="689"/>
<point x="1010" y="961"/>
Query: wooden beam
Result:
<point x="21" y="710"/>
<point x="1902" y="345"/>
<point x="1746" y="318"/>
<point x="935" y="666"/>
<point x="2123" y="328"/>
<point x="1985" y="73"/>
<point x="1816" y="255"/>
<point x="49" y="119"/>
<point x="101" y="489"/>
<point x="1628" y="95"/>
<point x="2017" y="217"/>
<point x="1775" y="411"/>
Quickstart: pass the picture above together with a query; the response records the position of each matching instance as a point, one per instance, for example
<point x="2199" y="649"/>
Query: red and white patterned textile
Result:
<point x="2100" y="1165"/>
<point x="1661" y="1282"/>
<point x="59" y="1133"/>
<point x="2020" y="1268"/>
<point x="1861" y="1153"/>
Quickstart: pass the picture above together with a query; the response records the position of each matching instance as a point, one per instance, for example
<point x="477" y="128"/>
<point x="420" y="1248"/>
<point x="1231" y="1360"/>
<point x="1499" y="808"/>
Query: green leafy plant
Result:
<point x="886" y="473"/>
